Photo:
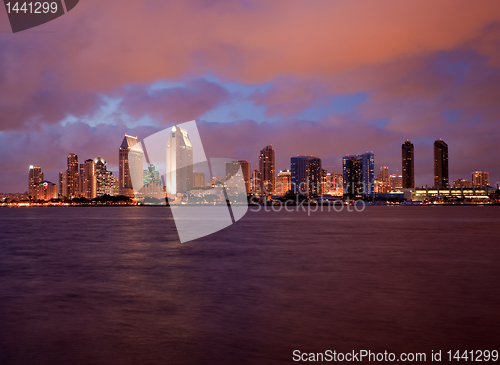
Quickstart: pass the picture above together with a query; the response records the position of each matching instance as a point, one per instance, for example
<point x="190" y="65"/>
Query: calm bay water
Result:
<point x="113" y="285"/>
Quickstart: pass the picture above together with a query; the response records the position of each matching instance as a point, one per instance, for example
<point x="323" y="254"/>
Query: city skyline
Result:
<point x="358" y="172"/>
<point x="334" y="90"/>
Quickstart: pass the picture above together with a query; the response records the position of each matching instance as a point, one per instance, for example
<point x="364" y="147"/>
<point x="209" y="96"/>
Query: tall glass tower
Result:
<point x="35" y="178"/>
<point x="72" y="176"/>
<point x="408" y="165"/>
<point x="130" y="166"/>
<point x="179" y="162"/>
<point x="359" y="175"/>
<point x="440" y="164"/>
<point x="306" y="175"/>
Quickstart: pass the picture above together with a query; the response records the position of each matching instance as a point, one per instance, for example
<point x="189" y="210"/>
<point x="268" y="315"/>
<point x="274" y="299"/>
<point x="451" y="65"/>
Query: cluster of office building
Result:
<point x="89" y="179"/>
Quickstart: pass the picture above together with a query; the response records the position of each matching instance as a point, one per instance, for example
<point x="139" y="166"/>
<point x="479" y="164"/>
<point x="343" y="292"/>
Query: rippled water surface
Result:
<point x="113" y="285"/>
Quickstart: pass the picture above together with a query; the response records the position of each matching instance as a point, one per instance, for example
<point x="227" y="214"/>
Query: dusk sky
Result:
<point x="323" y="78"/>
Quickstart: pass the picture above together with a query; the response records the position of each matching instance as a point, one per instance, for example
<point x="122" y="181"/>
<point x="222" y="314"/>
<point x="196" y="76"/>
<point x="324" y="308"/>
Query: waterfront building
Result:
<point x="396" y="182"/>
<point x="130" y="162"/>
<point x="179" y="162"/>
<point x="152" y="183"/>
<point x="63" y="184"/>
<point x="306" y="174"/>
<point x="440" y="164"/>
<point x="358" y="175"/>
<point x="267" y="170"/>
<point x="88" y="181"/>
<point x="408" y="161"/>
<point x="383" y="174"/>
<point x="35" y="177"/>
<point x="480" y="178"/>
<point x="72" y="188"/>
<point x="383" y="184"/>
<point x="338" y="183"/>
<point x="105" y="180"/>
<point x="463" y="194"/>
<point x="234" y="171"/>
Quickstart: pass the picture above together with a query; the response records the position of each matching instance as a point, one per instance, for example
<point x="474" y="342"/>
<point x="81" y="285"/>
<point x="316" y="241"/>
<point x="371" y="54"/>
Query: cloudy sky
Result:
<point x="324" y="78"/>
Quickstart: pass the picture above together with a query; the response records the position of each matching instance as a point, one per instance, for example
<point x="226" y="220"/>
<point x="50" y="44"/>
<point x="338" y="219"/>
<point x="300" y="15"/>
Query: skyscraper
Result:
<point x="338" y="180"/>
<point x="408" y="165"/>
<point x="130" y="166"/>
<point x="383" y="174"/>
<point x="480" y="178"/>
<point x="72" y="180"/>
<point x="179" y="162"/>
<point x="88" y="181"/>
<point x="35" y="178"/>
<point x="440" y="164"/>
<point x="358" y="175"/>
<point x="396" y="182"/>
<point x="383" y="183"/>
<point x="245" y="167"/>
<point x="267" y="170"/>
<point x="63" y="184"/>
<point x="306" y="175"/>
<point x="104" y="178"/>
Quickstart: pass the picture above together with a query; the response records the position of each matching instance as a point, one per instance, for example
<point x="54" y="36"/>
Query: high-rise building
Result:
<point x="179" y="162"/>
<point x="358" y="175"/>
<point x="408" y="165"/>
<point x="326" y="181"/>
<point x="34" y="179"/>
<point x="267" y="170"/>
<point x="88" y="180"/>
<point x="352" y="176"/>
<point x="63" y="184"/>
<point x="233" y="169"/>
<point x="256" y="184"/>
<point x="45" y="190"/>
<point x="396" y="182"/>
<point x="382" y="183"/>
<point x="462" y="184"/>
<point x="104" y="179"/>
<point x="306" y="175"/>
<point x="440" y="164"/>
<point x="130" y="166"/>
<point x="480" y="178"/>
<point x="245" y="167"/>
<point x="383" y="174"/>
<point x="283" y="182"/>
<point x="73" y="180"/>
<point x="338" y="186"/>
